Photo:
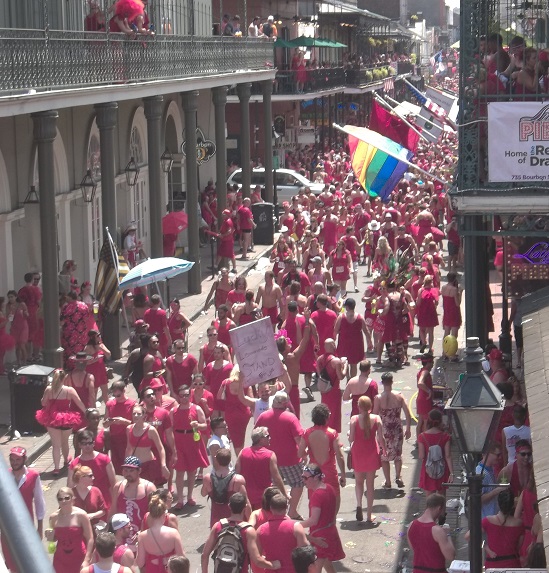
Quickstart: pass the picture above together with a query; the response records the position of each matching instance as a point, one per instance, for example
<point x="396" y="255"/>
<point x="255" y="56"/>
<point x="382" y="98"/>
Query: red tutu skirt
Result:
<point x="54" y="419"/>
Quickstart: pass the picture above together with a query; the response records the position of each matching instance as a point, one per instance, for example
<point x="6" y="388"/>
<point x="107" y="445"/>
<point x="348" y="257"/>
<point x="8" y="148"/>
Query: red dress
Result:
<point x="93" y="502"/>
<point x="237" y="416"/>
<point x="340" y="268"/>
<point x="325" y="499"/>
<point x="328" y="468"/>
<point x="324" y="322"/>
<point x="225" y="245"/>
<point x="350" y="342"/>
<point x="307" y="362"/>
<point x="451" y="313"/>
<point x="332" y="399"/>
<point x="427" y="553"/>
<point x="504" y="542"/>
<point x="424" y="404"/>
<point x="98" y="369"/>
<point x="366" y="451"/>
<point x="425" y="481"/>
<point x="191" y="455"/>
<point x="157" y="321"/>
<point x="71" y="549"/>
<point x="182" y="372"/>
<point x="213" y="377"/>
<point x="529" y="498"/>
<point x="371" y="392"/>
<point x="427" y="310"/>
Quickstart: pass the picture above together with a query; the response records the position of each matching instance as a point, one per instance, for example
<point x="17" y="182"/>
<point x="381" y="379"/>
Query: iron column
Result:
<point x="267" y="87"/>
<point x="219" y="97"/>
<point x="244" y="92"/>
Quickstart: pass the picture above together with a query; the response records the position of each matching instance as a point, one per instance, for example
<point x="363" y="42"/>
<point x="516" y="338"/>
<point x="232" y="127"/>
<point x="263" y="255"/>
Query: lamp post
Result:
<point x="166" y="160"/>
<point x="475" y="407"/>
<point x="132" y="172"/>
<point x="88" y="186"/>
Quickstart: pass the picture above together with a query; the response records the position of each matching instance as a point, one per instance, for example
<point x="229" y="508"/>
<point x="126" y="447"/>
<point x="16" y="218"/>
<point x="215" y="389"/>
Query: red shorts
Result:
<point x="272" y="313"/>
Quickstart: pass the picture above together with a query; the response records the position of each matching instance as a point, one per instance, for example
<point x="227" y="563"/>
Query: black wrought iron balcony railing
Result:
<point x="315" y="80"/>
<point x="57" y="60"/>
<point x="364" y="76"/>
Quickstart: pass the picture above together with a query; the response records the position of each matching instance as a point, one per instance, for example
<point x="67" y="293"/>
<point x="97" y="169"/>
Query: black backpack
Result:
<point x="220" y="487"/>
<point x="229" y="551"/>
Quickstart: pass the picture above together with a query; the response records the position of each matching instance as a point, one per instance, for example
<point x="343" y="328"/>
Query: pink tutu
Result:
<point x="54" y="419"/>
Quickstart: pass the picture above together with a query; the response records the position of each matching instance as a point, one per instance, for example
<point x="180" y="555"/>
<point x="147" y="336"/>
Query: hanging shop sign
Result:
<point x="527" y="261"/>
<point x="205" y="149"/>
<point x="518" y="142"/>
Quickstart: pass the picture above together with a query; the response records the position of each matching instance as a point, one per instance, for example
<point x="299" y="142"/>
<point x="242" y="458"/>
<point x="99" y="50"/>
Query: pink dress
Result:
<point x="213" y="378"/>
<point x="427" y="310"/>
<point x="191" y="455"/>
<point x="340" y="268"/>
<point x="425" y="481"/>
<point x="328" y="468"/>
<point x="350" y="342"/>
<point x="225" y="245"/>
<point x="366" y="452"/>
<point x="237" y="416"/>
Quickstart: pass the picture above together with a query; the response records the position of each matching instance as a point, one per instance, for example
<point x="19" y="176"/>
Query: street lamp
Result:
<point x="166" y="160"/>
<point x="88" y="187"/>
<point x="475" y="407"/>
<point x="132" y="172"/>
<point x="32" y="197"/>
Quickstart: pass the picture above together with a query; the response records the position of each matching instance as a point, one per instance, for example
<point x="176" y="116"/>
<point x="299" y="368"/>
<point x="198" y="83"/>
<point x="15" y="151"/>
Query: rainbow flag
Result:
<point x="378" y="162"/>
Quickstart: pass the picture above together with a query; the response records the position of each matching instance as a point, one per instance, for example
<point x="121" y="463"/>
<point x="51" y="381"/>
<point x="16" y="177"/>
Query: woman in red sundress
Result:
<point x="434" y="435"/>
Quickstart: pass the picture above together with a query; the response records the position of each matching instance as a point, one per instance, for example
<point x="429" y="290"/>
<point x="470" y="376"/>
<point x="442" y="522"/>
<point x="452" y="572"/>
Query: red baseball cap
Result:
<point x="155" y="383"/>
<point x="18" y="451"/>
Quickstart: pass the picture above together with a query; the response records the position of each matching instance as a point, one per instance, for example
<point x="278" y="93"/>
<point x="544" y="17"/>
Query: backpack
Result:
<point x="229" y="553"/>
<point x="220" y="485"/>
<point x="435" y="465"/>
<point x="324" y="382"/>
<point x="267" y="29"/>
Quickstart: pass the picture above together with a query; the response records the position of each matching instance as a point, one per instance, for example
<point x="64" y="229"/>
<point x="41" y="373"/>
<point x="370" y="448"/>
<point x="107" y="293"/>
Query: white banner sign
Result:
<point x="305" y="134"/>
<point x="518" y="142"/>
<point x="256" y="351"/>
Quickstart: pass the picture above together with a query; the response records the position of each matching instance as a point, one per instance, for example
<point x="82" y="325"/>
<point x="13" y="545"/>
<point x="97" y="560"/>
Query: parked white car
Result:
<point x="288" y="182"/>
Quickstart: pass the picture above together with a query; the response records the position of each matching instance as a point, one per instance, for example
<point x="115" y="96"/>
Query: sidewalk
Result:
<point x="191" y="306"/>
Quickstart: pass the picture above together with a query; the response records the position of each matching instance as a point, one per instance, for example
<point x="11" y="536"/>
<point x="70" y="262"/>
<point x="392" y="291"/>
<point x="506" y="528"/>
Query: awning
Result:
<point x="310" y="42"/>
<point x="280" y="43"/>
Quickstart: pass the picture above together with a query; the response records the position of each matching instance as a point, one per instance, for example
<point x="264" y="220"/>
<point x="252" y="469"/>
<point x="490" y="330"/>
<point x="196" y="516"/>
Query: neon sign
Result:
<point x="537" y="254"/>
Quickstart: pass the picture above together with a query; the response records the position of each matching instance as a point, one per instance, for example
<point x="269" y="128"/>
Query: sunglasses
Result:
<point x="148" y="396"/>
<point x="180" y="348"/>
<point x="66" y="498"/>
<point x="198" y="383"/>
<point x="185" y="395"/>
<point x="118" y="395"/>
<point x="526" y="454"/>
<point x="137" y="413"/>
<point x="88" y="475"/>
<point x="155" y="342"/>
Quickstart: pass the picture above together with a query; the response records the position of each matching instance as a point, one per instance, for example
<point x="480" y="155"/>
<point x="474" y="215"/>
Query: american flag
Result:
<point x="432" y="107"/>
<point x="389" y="84"/>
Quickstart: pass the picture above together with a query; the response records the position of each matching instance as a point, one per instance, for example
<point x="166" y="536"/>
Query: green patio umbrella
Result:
<point x="307" y="41"/>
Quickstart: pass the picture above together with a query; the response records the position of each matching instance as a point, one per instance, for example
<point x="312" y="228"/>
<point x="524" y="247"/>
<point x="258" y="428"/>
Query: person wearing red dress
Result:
<point x="349" y="330"/>
<point x="246" y="224"/>
<point x="220" y="289"/>
<point x="424" y="400"/>
<point x="157" y="320"/>
<point x="225" y="243"/>
<point x="324" y="320"/>
<point x="361" y="385"/>
<point x="188" y="420"/>
<point x="322" y="505"/>
<point x="180" y="367"/>
<point x="223" y="324"/>
<point x="329" y="231"/>
<point x="31" y="295"/>
<point x="214" y="374"/>
<point x="178" y="323"/>
<point x="431" y="543"/>
<point x="206" y="352"/>
<point x="337" y="370"/>
<point x="70" y="526"/>
<point x="426" y="312"/>
<point x="340" y="263"/>
<point x="87" y="496"/>
<point x="237" y="414"/>
<point x="451" y="301"/>
<point x="434" y="435"/>
<point x="118" y="411"/>
<point x="321" y="443"/>
<point x="504" y="535"/>
<point x="367" y="445"/>
<point x="96" y="366"/>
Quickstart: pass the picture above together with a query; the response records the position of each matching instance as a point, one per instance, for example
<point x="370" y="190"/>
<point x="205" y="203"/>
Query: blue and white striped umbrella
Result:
<point x="155" y="270"/>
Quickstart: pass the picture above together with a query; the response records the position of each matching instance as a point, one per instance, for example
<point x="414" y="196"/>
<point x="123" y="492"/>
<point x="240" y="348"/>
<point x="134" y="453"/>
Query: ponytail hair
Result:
<point x="365" y="407"/>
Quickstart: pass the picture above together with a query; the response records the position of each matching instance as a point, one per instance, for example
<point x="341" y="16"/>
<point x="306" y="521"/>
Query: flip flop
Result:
<point x="178" y="506"/>
<point x="191" y="502"/>
<point x="399" y="482"/>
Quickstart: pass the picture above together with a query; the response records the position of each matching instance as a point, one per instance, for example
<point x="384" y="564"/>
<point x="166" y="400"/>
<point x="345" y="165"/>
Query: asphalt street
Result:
<point x="368" y="548"/>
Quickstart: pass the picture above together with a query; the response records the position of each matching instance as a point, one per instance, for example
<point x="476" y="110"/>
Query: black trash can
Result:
<point x="27" y="387"/>
<point x="264" y="219"/>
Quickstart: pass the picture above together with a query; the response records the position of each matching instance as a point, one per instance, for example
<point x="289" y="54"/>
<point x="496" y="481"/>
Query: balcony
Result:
<point x="58" y="60"/>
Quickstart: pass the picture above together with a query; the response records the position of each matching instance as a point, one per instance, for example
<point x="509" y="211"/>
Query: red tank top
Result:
<point x="427" y="553"/>
<point x="223" y="332"/>
<point x="142" y="441"/>
<point x="27" y="490"/>
<point x="277" y="541"/>
<point x="135" y="509"/>
<point x="255" y="467"/>
<point x="182" y="372"/>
